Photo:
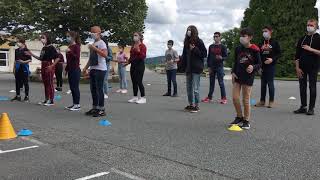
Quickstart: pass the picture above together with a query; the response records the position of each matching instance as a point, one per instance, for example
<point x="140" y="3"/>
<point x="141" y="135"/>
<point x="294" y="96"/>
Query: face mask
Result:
<point x="43" y="40"/>
<point x="19" y="45"/>
<point x="266" y="35"/>
<point x="189" y="33"/>
<point x="311" y="29"/>
<point x="69" y="39"/>
<point x="169" y="46"/>
<point x="244" y="40"/>
<point x="94" y="36"/>
<point x="136" y="38"/>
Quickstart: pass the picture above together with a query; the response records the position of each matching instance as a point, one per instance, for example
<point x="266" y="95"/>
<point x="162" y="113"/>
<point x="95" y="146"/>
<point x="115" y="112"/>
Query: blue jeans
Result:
<point x="219" y="72"/>
<point x="122" y="76"/>
<point x="105" y="81"/>
<point x="96" y="87"/>
<point x="264" y="84"/>
<point x="193" y="88"/>
<point x="172" y="77"/>
<point x="74" y="79"/>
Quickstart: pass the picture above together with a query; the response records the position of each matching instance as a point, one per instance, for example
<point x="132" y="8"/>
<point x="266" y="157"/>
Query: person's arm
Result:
<point x="258" y="62"/>
<point x="101" y="52"/>
<point x="308" y="48"/>
<point x="29" y="53"/>
<point x="141" y="52"/>
<point x="200" y="51"/>
<point x="277" y="53"/>
<point x="224" y="52"/>
<point x="176" y="56"/>
<point x="209" y="63"/>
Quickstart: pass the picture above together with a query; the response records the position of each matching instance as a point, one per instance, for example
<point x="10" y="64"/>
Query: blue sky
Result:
<point x="168" y="19"/>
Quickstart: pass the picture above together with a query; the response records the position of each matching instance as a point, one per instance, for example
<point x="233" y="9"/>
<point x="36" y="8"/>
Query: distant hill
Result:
<point x="155" y="60"/>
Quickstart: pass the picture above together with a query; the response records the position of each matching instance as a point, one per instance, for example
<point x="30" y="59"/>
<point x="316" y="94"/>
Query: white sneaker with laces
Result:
<point x="133" y="100"/>
<point x="75" y="108"/>
<point x="142" y="100"/>
<point x="106" y="96"/>
<point x="119" y="91"/>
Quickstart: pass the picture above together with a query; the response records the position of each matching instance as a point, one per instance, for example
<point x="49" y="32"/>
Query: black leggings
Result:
<point x="137" y="72"/>
<point x="22" y="80"/>
<point x="312" y="76"/>
<point x="58" y="73"/>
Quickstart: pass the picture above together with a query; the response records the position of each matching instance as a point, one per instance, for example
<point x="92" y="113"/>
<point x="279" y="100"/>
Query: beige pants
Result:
<point x="246" y="92"/>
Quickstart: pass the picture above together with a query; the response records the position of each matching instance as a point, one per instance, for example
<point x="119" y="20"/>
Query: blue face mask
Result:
<point x="69" y="39"/>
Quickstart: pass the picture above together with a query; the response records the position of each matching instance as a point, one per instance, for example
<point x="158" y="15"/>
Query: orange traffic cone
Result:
<point x="6" y="129"/>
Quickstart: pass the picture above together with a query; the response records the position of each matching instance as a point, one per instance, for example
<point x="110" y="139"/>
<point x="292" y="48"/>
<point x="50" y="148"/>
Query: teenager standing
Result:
<point x="59" y="70"/>
<point x="172" y="58"/>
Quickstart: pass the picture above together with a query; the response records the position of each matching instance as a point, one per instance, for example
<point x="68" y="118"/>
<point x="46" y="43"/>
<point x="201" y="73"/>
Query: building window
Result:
<point x="84" y="54"/>
<point x="4" y="58"/>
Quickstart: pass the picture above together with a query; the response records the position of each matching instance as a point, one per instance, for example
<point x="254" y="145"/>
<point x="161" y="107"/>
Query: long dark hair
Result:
<point x="22" y="40"/>
<point x="75" y="35"/>
<point x="48" y="37"/>
<point x="194" y="36"/>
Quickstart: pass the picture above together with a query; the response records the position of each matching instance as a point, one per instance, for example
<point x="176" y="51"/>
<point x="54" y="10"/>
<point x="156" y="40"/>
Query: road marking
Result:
<point x="19" y="149"/>
<point x="128" y="175"/>
<point x="33" y="141"/>
<point x="94" y="176"/>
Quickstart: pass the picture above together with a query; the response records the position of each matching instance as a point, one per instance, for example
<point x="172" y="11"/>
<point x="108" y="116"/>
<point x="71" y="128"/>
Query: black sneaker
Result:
<point x="188" y="108"/>
<point x="26" y="99"/>
<point x="91" y="112"/>
<point x="195" y="109"/>
<point x="75" y="108"/>
<point x="175" y="95"/>
<point x="42" y="103"/>
<point x="166" y="94"/>
<point x="99" y="113"/>
<point x="69" y="107"/>
<point x="310" y="112"/>
<point x="49" y="103"/>
<point x="246" y="125"/>
<point x="237" y="121"/>
<point x="16" y="98"/>
<point x="301" y="110"/>
<point x="58" y="89"/>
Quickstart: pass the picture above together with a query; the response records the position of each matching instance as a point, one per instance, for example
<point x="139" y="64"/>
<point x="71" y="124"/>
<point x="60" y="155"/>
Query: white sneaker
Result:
<point x="142" y="100"/>
<point x="124" y="91"/>
<point x="75" y="108"/>
<point x="68" y="92"/>
<point x="106" y="96"/>
<point x="119" y="91"/>
<point x="133" y="100"/>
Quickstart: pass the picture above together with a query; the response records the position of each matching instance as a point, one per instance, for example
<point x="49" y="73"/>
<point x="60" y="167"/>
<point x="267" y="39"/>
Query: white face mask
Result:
<point x="136" y="38"/>
<point x="169" y="46"/>
<point x="266" y="35"/>
<point x="189" y="33"/>
<point x="43" y="40"/>
<point x="94" y="36"/>
<point x="19" y="45"/>
<point x="311" y="29"/>
<point x="244" y="41"/>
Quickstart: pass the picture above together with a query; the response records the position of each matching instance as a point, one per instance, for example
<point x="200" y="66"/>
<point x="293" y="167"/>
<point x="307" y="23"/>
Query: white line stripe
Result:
<point x="128" y="175"/>
<point x="33" y="141"/>
<point x="94" y="176"/>
<point x="19" y="149"/>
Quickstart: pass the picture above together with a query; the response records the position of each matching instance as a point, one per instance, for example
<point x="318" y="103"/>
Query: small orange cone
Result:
<point x="6" y="129"/>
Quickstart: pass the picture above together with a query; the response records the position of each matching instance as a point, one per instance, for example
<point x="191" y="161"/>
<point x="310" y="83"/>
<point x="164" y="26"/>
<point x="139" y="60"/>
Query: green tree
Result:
<point x="288" y="19"/>
<point x="230" y="39"/>
<point x="120" y="18"/>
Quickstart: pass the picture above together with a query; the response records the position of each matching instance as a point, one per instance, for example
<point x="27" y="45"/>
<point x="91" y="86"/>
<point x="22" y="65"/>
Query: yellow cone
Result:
<point x="235" y="128"/>
<point x="6" y="129"/>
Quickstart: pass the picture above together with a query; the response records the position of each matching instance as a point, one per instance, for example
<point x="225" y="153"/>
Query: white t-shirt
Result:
<point x="102" y="65"/>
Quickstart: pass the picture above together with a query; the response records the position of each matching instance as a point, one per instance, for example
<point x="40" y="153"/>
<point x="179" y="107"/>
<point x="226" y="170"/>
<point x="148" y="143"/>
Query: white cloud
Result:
<point x="162" y="11"/>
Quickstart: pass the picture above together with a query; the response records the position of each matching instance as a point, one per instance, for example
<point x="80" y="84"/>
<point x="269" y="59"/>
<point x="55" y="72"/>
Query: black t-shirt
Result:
<point x="20" y="54"/>
<point x="48" y="53"/>
<point x="307" y="59"/>
<point x="270" y="49"/>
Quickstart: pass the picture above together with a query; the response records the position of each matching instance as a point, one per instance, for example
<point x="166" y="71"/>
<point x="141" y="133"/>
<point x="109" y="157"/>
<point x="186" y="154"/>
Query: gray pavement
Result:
<point x="159" y="140"/>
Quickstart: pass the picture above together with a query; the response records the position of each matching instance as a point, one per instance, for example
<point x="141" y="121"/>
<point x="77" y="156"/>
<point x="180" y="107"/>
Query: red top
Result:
<point x="135" y="55"/>
<point x="73" y="57"/>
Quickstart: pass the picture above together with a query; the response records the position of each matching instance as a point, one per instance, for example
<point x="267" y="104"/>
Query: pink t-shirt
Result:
<point x="121" y="57"/>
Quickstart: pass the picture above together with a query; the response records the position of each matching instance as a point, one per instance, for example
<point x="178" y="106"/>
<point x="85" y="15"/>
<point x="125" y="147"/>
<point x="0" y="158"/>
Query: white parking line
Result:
<point x="128" y="175"/>
<point x="19" y="149"/>
<point x="33" y="141"/>
<point x="94" y="176"/>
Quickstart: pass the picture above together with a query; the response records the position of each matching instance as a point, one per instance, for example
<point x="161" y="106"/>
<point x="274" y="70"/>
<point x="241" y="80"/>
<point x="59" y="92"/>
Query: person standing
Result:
<point x="172" y="58"/>
<point x="73" y="68"/>
<point x="307" y="66"/>
<point x="49" y="58"/>
<point x="194" y="52"/>
<point x="59" y="71"/>
<point x="98" y="69"/>
<point x="137" y="57"/>
<point x="270" y="53"/>
<point x="21" y="69"/>
<point x="106" y="78"/>
<point x="122" y="60"/>
<point x="247" y="62"/>
<point x="217" y="54"/>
